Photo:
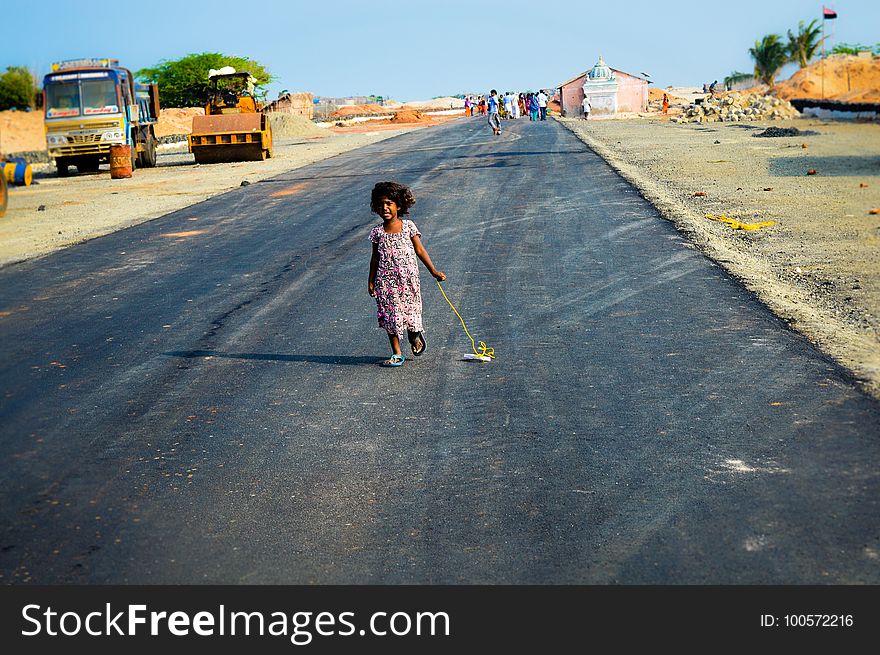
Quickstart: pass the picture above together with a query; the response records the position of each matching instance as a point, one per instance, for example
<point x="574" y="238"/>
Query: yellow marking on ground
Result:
<point x="740" y="225"/>
<point x="291" y="190"/>
<point x="188" y="233"/>
<point x="9" y="312"/>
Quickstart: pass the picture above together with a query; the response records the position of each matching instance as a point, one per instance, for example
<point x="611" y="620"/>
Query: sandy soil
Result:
<point x="57" y="212"/>
<point x="839" y="77"/>
<point x="21" y="131"/>
<point x="818" y="267"/>
<point x="403" y="119"/>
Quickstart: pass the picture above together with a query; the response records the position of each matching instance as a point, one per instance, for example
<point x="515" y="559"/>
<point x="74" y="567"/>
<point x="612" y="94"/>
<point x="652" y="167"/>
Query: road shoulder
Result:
<point x="817" y="267"/>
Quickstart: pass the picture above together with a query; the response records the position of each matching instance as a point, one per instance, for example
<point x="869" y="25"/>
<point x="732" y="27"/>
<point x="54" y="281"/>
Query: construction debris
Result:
<point x="739" y="225"/>
<point x="734" y="107"/>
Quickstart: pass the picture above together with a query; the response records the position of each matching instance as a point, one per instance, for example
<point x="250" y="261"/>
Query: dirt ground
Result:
<point x="818" y="266"/>
<point x="402" y="119"/>
<point x="21" y="131"/>
<point x="839" y="77"/>
<point x="57" y="212"/>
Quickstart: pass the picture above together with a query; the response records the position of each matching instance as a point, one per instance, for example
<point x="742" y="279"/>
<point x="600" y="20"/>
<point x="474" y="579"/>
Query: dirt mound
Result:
<point x="436" y="104"/>
<point x="847" y="78"/>
<point x="359" y="110"/>
<point x="290" y="125"/>
<point x="409" y="116"/>
<point x="177" y="120"/>
<point x="21" y="131"/>
<point x="785" y="131"/>
<point x="656" y="95"/>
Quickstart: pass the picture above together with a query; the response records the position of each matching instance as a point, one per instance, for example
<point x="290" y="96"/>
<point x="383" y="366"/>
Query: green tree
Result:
<point x="735" y="78"/>
<point x="16" y="88"/>
<point x="770" y="54"/>
<point x="184" y="82"/>
<point x="802" y="47"/>
<point x="854" y="49"/>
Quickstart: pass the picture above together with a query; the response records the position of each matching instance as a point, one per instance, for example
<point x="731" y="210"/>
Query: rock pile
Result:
<point x="734" y="107"/>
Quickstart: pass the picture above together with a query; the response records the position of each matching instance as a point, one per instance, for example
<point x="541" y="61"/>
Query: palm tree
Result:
<point x="735" y="78"/>
<point x="770" y="54"/>
<point x="803" y="46"/>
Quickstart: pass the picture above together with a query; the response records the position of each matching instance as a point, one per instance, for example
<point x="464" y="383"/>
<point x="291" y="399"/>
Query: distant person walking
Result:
<point x="508" y="105"/>
<point x="587" y="108"/>
<point x="394" y="269"/>
<point x="467" y="106"/>
<point x="494" y="120"/>
<point x="533" y="107"/>
<point x="712" y="87"/>
<point x="665" y="104"/>
<point x="542" y="104"/>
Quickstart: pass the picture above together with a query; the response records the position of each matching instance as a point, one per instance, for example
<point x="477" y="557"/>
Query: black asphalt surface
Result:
<point x="209" y="408"/>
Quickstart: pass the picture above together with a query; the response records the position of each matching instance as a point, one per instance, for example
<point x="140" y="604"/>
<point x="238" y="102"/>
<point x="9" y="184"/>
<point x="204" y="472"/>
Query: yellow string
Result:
<point x="484" y="351"/>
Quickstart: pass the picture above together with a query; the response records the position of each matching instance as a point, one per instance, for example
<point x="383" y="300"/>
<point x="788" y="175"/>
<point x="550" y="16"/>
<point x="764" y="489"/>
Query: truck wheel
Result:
<point x="149" y="154"/>
<point x="62" y="166"/>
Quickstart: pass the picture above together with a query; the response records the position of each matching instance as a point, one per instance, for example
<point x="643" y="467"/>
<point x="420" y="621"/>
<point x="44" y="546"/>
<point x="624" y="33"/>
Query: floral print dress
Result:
<point x="397" y="285"/>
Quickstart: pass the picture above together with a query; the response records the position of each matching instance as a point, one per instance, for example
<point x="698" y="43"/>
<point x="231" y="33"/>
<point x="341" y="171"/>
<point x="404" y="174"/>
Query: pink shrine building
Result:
<point x="610" y="91"/>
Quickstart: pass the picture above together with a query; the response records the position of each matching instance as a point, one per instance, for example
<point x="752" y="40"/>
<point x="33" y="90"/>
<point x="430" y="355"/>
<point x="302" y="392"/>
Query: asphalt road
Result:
<point x="198" y="398"/>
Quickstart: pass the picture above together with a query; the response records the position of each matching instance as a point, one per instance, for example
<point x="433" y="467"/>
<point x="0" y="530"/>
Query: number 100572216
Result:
<point x="808" y="621"/>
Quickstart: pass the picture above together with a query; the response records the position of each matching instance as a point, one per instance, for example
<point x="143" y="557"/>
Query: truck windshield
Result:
<point x="99" y="97"/>
<point x="62" y="99"/>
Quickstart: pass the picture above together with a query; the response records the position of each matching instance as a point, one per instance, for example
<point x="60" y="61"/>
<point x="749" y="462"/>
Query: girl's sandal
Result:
<point x="394" y="360"/>
<point x="418" y="338"/>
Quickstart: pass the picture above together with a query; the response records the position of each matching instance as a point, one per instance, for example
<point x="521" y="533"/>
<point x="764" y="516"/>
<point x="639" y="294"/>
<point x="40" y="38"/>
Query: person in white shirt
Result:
<point x="508" y="105"/>
<point x="542" y="103"/>
<point x="587" y="108"/>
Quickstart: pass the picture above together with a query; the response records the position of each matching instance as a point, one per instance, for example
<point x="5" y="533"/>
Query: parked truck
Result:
<point x="91" y="104"/>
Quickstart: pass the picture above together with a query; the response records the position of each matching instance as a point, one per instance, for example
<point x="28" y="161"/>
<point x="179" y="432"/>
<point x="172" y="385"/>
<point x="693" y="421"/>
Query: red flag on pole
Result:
<point x="828" y="14"/>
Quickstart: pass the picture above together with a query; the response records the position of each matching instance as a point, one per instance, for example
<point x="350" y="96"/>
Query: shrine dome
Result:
<point x="600" y="71"/>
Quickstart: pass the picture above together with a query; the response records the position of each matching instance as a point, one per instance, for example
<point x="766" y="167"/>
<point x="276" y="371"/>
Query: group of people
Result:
<point x="510" y="106"/>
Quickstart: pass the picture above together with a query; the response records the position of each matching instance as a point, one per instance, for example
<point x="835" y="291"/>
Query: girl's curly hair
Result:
<point x="400" y="194"/>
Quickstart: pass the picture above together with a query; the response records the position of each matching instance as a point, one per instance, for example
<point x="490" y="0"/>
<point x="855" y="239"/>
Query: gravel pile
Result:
<point x="785" y="131"/>
<point x="737" y="107"/>
<point x="289" y="125"/>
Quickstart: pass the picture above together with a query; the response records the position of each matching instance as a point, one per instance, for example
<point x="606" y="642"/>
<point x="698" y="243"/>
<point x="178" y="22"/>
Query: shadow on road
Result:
<point x="342" y="360"/>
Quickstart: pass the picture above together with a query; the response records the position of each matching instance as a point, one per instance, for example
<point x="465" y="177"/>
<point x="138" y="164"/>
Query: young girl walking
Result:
<point x="394" y="269"/>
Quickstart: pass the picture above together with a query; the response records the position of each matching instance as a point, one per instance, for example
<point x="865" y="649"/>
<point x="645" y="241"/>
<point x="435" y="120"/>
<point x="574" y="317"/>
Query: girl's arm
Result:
<point x="374" y="266"/>
<point x="426" y="260"/>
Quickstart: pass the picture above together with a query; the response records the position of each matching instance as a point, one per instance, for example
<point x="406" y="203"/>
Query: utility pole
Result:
<point x="822" y="69"/>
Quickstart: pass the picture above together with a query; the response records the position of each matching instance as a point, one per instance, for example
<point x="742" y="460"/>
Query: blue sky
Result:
<point x="415" y="50"/>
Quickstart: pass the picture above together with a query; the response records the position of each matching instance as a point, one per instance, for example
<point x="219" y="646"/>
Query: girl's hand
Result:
<point x="372" y="290"/>
<point x="440" y="275"/>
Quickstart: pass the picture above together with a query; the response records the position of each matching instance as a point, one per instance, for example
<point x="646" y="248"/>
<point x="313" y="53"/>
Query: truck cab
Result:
<point x="91" y="104"/>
